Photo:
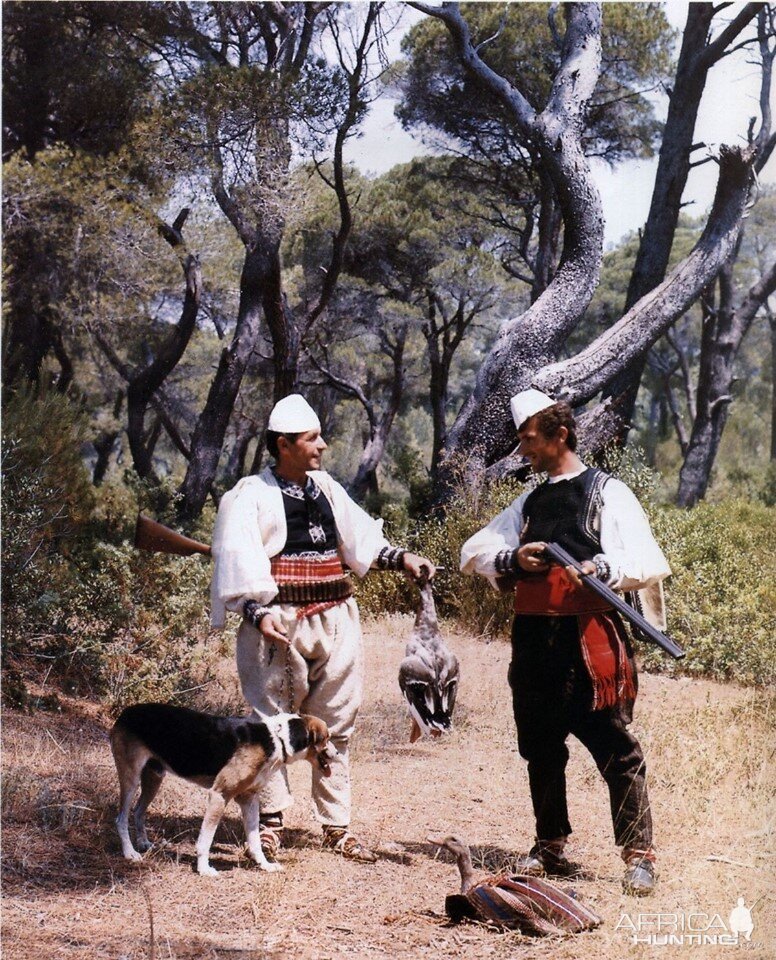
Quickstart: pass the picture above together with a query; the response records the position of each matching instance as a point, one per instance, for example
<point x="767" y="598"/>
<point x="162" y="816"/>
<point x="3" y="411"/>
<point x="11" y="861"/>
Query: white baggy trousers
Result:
<point x="320" y="672"/>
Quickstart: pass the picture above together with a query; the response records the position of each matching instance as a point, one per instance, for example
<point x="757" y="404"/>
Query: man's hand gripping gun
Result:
<point x="555" y="553"/>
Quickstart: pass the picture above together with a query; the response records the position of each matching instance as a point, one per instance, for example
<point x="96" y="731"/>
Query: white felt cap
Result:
<point x="293" y="414"/>
<point x="527" y="403"/>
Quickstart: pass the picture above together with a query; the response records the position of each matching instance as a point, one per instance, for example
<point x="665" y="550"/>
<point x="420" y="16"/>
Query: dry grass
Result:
<point x="68" y="893"/>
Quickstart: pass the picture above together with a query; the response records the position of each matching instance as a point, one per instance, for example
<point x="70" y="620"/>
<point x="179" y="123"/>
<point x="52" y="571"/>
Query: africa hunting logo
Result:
<point x="689" y="928"/>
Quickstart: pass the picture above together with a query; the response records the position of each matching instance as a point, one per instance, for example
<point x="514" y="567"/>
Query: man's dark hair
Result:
<point x="272" y="441"/>
<point x="551" y="419"/>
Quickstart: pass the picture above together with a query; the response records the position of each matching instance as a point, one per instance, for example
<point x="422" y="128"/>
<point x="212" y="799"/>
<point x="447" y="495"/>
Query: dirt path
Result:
<point x="67" y="892"/>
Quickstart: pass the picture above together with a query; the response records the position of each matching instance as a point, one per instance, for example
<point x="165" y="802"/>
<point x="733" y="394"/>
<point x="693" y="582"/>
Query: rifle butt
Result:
<point x="155" y="537"/>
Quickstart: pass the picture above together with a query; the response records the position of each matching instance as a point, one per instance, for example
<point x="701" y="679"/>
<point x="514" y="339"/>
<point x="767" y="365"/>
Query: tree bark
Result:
<point x="365" y="480"/>
<point x="547" y="241"/>
<point x="208" y="437"/>
<point x="27" y="345"/>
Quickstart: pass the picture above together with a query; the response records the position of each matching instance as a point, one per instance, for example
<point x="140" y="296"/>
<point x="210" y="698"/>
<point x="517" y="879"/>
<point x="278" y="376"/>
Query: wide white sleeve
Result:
<point x="242" y="567"/>
<point x="478" y="554"/>
<point x="627" y="543"/>
<point x="360" y="536"/>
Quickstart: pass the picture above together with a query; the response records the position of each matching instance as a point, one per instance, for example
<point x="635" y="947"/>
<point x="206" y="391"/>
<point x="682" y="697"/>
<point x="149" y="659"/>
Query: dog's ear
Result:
<point x="298" y="737"/>
<point x="318" y="732"/>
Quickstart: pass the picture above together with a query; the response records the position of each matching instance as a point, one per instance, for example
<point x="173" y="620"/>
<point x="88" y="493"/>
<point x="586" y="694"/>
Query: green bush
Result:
<point x="81" y="606"/>
<point x="46" y="499"/>
<point x="722" y="594"/>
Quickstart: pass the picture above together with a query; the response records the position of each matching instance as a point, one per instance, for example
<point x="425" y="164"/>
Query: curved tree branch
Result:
<point x="529" y="341"/>
<point x="581" y="377"/>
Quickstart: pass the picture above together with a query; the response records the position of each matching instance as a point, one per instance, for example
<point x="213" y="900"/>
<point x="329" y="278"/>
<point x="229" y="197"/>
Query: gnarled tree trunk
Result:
<point x="483" y="430"/>
<point x="724" y="329"/>
<point x="696" y="58"/>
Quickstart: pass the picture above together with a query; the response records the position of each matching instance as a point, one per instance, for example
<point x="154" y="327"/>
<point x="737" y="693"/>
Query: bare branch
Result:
<point x="499" y="30"/>
<point x="580" y="378"/>
<point x="348" y="387"/>
<point x="552" y="15"/>
<point x="716" y="48"/>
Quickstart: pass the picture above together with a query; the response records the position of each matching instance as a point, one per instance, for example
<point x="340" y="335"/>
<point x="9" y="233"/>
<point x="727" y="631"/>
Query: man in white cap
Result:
<point x="572" y="669"/>
<point x="279" y="545"/>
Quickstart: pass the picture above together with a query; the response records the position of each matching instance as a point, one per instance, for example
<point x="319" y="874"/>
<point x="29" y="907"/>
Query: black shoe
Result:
<point x="543" y="861"/>
<point x="639" y="879"/>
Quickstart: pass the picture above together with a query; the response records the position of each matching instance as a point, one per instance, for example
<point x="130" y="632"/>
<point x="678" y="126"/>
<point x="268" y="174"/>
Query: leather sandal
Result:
<point x="271" y="836"/>
<point x="340" y="840"/>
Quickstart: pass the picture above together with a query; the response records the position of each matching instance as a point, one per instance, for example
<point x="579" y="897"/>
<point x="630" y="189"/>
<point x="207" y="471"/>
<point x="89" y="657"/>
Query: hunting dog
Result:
<point x="230" y="756"/>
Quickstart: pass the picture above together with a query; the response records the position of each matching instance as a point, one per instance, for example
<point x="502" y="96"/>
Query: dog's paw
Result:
<point x="205" y="870"/>
<point x="143" y="845"/>
<point x="268" y="867"/>
<point x="133" y="855"/>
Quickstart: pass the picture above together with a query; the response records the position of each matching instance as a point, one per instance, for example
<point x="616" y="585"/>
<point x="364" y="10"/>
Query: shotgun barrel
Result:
<point x="556" y="553"/>
<point x="153" y="536"/>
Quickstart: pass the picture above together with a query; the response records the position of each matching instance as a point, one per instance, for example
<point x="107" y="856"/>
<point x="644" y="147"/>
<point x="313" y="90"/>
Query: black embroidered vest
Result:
<point x="567" y="512"/>
<point x="309" y="519"/>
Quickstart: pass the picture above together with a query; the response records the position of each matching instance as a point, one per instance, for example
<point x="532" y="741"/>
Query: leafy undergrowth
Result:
<point x="69" y="894"/>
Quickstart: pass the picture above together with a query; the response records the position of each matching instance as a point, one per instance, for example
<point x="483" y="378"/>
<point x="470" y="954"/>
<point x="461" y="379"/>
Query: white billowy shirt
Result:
<point x="251" y="528"/>
<point x="636" y="561"/>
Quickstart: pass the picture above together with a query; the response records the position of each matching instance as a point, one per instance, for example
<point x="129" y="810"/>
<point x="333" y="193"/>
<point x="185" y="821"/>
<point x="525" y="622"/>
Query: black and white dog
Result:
<point x="231" y="756"/>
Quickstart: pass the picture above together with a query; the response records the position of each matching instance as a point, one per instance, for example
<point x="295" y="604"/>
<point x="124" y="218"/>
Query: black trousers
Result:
<point x="551" y="697"/>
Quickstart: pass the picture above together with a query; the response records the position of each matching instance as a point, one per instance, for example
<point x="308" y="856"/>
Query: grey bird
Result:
<point x="529" y="904"/>
<point x="428" y="674"/>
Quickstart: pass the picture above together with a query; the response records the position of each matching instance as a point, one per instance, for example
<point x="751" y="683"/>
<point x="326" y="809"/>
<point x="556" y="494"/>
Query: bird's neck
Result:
<point x="427" y="610"/>
<point x="467" y="871"/>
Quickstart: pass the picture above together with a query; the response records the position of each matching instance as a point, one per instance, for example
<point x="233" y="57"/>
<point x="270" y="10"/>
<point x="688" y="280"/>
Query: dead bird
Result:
<point x="428" y="674"/>
<point x="529" y="904"/>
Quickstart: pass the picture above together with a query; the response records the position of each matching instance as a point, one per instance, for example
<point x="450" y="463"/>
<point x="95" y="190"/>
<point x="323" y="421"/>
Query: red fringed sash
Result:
<point x="315" y="584"/>
<point x="600" y="631"/>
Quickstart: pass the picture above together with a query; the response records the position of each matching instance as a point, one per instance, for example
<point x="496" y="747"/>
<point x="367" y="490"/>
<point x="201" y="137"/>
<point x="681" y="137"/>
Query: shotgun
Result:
<point x="556" y="553"/>
<point x="153" y="536"/>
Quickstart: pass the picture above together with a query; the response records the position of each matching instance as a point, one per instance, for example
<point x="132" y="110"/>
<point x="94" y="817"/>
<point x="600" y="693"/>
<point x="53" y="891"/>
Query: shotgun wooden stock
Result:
<point x="153" y="536"/>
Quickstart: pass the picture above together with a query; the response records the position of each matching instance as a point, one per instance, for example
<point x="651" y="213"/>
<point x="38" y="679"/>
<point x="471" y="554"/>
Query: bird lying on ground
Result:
<point x="528" y="904"/>
<point x="428" y="674"/>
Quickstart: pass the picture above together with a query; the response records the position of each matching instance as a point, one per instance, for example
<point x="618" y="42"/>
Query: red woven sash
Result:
<point x="600" y="631"/>
<point x="553" y="593"/>
<point x="314" y="584"/>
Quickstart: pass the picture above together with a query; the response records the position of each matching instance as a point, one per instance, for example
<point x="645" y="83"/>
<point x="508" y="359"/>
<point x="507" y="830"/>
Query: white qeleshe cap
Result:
<point x="527" y="403"/>
<point x="293" y="414"/>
